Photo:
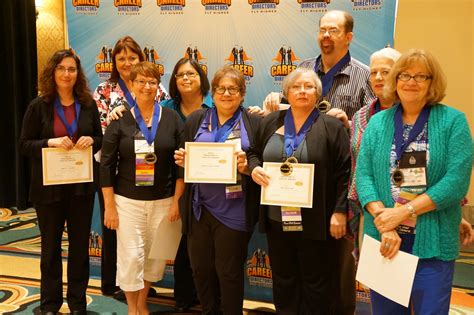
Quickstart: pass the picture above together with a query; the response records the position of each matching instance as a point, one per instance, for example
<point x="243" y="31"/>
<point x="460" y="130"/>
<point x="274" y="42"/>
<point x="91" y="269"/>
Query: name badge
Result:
<point x="291" y="219"/>
<point x="145" y="159"/>
<point x="234" y="191"/>
<point x="413" y="167"/>
<point x="236" y="141"/>
<point x="409" y="225"/>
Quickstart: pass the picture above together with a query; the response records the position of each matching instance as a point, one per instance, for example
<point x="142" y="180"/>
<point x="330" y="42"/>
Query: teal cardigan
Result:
<point x="448" y="173"/>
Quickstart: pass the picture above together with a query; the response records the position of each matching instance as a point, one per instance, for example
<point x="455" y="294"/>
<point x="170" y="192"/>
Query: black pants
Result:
<point x="217" y="255"/>
<point x="76" y="212"/>
<point x="345" y="278"/>
<point x="303" y="272"/>
<point x="184" y="289"/>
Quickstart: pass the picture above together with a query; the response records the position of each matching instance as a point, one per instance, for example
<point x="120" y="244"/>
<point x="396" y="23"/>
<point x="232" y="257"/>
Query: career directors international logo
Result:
<point x="259" y="271"/>
<point x="103" y="67"/>
<point x="128" y="7"/>
<point x="171" y="6"/>
<point x="358" y="5"/>
<point x="239" y="59"/>
<point x="313" y="5"/>
<point x="86" y="7"/>
<point x="264" y="6"/>
<point x="216" y="6"/>
<point x="284" y="63"/>
<point x="152" y="56"/>
<point x="193" y="53"/>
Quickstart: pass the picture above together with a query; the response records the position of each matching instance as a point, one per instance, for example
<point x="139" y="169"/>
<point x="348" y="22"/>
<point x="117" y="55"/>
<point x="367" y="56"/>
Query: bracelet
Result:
<point x="411" y="210"/>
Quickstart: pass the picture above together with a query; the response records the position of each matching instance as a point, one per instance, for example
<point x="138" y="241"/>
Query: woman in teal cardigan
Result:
<point x="416" y="213"/>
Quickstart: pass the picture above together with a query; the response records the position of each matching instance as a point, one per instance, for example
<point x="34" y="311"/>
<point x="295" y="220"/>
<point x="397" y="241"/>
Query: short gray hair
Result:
<point x="295" y="74"/>
<point x="386" y="53"/>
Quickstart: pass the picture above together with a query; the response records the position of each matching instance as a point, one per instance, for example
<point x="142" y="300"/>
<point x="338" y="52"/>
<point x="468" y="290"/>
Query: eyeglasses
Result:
<point x="383" y="73"/>
<point x="298" y="88"/>
<point x="189" y="74"/>
<point x="405" y="77"/>
<point x="233" y="90"/>
<point x="63" y="70"/>
<point x="142" y="83"/>
<point x="333" y="31"/>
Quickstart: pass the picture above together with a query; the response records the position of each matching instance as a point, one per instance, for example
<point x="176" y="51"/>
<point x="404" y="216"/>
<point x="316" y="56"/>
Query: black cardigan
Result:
<point x="251" y="190"/>
<point x="37" y="128"/>
<point x="328" y="149"/>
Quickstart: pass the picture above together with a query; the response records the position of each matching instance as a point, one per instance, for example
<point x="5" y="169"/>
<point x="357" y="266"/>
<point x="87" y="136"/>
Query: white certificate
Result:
<point x="166" y="242"/>
<point x="67" y="167"/>
<point x="293" y="190"/>
<point x="210" y="162"/>
<point x="390" y="278"/>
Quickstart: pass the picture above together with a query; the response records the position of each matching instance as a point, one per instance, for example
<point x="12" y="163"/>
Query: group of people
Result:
<point x="364" y="181"/>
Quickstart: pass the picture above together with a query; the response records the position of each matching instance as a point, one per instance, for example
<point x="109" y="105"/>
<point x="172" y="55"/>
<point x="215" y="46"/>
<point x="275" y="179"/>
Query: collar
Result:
<point x="345" y="70"/>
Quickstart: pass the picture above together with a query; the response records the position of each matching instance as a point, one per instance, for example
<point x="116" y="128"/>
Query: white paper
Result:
<point x="390" y="278"/>
<point x="166" y="242"/>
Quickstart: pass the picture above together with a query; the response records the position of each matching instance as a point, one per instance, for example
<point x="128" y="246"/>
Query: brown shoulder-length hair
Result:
<point x="173" y="87"/>
<point x="146" y="69"/>
<point x="47" y="83"/>
<point x="234" y="74"/>
<point x="120" y="45"/>
<point x="437" y="88"/>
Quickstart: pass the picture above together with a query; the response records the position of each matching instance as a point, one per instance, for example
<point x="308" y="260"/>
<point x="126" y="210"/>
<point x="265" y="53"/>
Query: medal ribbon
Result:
<point x="328" y="78"/>
<point x="221" y="133"/>
<point x="126" y="93"/>
<point x="293" y="139"/>
<point x="401" y="145"/>
<point x="71" y="128"/>
<point x="148" y="134"/>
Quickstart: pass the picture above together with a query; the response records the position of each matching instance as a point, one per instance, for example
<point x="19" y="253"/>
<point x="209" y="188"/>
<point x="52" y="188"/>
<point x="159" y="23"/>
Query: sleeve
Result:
<point x="367" y="95"/>
<point x="109" y="157"/>
<point x="97" y="129"/>
<point x="31" y="142"/>
<point x="255" y="153"/>
<point x="162" y="94"/>
<point x="102" y="99"/>
<point x="342" y="169"/>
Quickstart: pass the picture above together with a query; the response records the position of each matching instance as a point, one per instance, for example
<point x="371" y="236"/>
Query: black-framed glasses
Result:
<point x="189" y="74"/>
<point x="63" y="70"/>
<point x="333" y="31"/>
<point x="420" y="77"/>
<point x="142" y="83"/>
<point x="233" y="90"/>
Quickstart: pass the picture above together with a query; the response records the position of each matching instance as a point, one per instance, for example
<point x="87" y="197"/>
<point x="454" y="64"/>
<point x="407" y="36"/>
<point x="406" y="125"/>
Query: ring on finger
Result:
<point x="387" y="245"/>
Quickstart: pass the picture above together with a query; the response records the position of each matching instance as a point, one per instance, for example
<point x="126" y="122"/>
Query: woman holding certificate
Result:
<point x="138" y="179"/>
<point x="219" y="217"/>
<point x="63" y="116"/>
<point x="413" y="170"/>
<point x="301" y="238"/>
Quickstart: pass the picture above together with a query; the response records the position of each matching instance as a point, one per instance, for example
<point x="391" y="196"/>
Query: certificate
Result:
<point x="290" y="190"/>
<point x="166" y="242"/>
<point x="210" y="162"/>
<point x="67" y="167"/>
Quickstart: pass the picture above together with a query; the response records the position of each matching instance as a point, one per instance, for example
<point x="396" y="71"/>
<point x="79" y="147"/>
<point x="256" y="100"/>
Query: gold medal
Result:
<point x="324" y="106"/>
<point x="397" y="177"/>
<point x="150" y="158"/>
<point x="287" y="168"/>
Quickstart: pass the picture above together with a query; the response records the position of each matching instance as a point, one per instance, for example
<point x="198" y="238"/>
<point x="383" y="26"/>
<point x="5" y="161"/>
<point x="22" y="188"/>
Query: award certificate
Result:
<point x="210" y="162"/>
<point x="293" y="189"/>
<point x="67" y="167"/>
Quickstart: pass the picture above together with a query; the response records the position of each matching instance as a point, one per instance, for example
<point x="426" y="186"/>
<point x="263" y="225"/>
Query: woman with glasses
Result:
<point x="218" y="218"/>
<point x="138" y="180"/>
<point x="412" y="172"/>
<point x="62" y="116"/>
<point x="304" y="261"/>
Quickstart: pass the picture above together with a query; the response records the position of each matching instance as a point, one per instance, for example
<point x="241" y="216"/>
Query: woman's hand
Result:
<point x="271" y="102"/>
<point x="390" y="244"/>
<point x="61" y="142"/>
<point x="387" y="219"/>
<point x="466" y="232"/>
<point x="179" y="156"/>
<point x="341" y="115"/>
<point x="260" y="176"/>
<point x="337" y="226"/>
<point x="111" y="219"/>
<point x="84" y="142"/>
<point x="242" y="165"/>
<point x="116" y="113"/>
<point x="173" y="212"/>
<point x="256" y="110"/>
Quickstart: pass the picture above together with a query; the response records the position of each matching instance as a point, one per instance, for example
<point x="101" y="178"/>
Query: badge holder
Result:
<point x="145" y="160"/>
<point x="290" y="216"/>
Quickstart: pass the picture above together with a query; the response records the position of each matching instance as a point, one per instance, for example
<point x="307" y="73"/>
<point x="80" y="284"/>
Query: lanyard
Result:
<point x="71" y="128"/>
<point x="293" y="139"/>
<point x="148" y="134"/>
<point x="126" y="93"/>
<point x="328" y="78"/>
<point x="221" y="133"/>
<point x="401" y="145"/>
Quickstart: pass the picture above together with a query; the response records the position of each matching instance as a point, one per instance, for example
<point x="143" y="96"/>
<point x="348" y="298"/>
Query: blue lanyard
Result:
<point x="126" y="93"/>
<point x="148" y="134"/>
<point x="221" y="133"/>
<point x="71" y="128"/>
<point x="401" y="145"/>
<point x="293" y="139"/>
<point x="328" y="78"/>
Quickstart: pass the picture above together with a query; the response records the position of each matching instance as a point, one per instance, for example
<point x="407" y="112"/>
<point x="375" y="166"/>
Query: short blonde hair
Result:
<point x="295" y="74"/>
<point x="437" y="88"/>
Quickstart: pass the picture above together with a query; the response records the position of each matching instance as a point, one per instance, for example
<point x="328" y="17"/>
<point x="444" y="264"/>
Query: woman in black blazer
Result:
<point x="64" y="115"/>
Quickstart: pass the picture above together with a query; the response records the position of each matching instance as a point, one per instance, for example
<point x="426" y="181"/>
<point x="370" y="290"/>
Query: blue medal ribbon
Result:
<point x="148" y="134"/>
<point x="222" y="133"/>
<point x="401" y="145"/>
<point x="293" y="139"/>
<point x="126" y="93"/>
<point x="328" y="78"/>
<point x="71" y="128"/>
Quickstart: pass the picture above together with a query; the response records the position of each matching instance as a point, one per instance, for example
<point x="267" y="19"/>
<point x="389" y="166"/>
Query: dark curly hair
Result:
<point x="120" y="45"/>
<point x="47" y="84"/>
<point x="173" y="88"/>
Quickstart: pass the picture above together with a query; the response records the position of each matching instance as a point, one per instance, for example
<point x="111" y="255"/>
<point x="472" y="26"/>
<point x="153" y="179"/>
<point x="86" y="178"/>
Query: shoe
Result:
<point x="119" y="295"/>
<point x="181" y="308"/>
<point x="152" y="292"/>
<point x="49" y="313"/>
<point x="110" y="291"/>
<point x="82" y="312"/>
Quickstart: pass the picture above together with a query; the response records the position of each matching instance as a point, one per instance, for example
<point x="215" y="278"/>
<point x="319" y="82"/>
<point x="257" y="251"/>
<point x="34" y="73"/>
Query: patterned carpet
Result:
<point x="19" y="276"/>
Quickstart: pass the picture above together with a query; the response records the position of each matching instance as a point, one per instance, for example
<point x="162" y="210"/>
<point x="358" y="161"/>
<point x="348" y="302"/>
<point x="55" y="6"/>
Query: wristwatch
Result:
<point x="411" y="210"/>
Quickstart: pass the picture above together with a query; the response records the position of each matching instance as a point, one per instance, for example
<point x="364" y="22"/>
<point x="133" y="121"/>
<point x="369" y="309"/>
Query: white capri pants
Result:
<point x="138" y="224"/>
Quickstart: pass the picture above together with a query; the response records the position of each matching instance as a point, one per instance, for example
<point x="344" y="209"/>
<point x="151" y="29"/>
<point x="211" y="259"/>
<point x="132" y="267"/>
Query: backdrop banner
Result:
<point x="264" y="39"/>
